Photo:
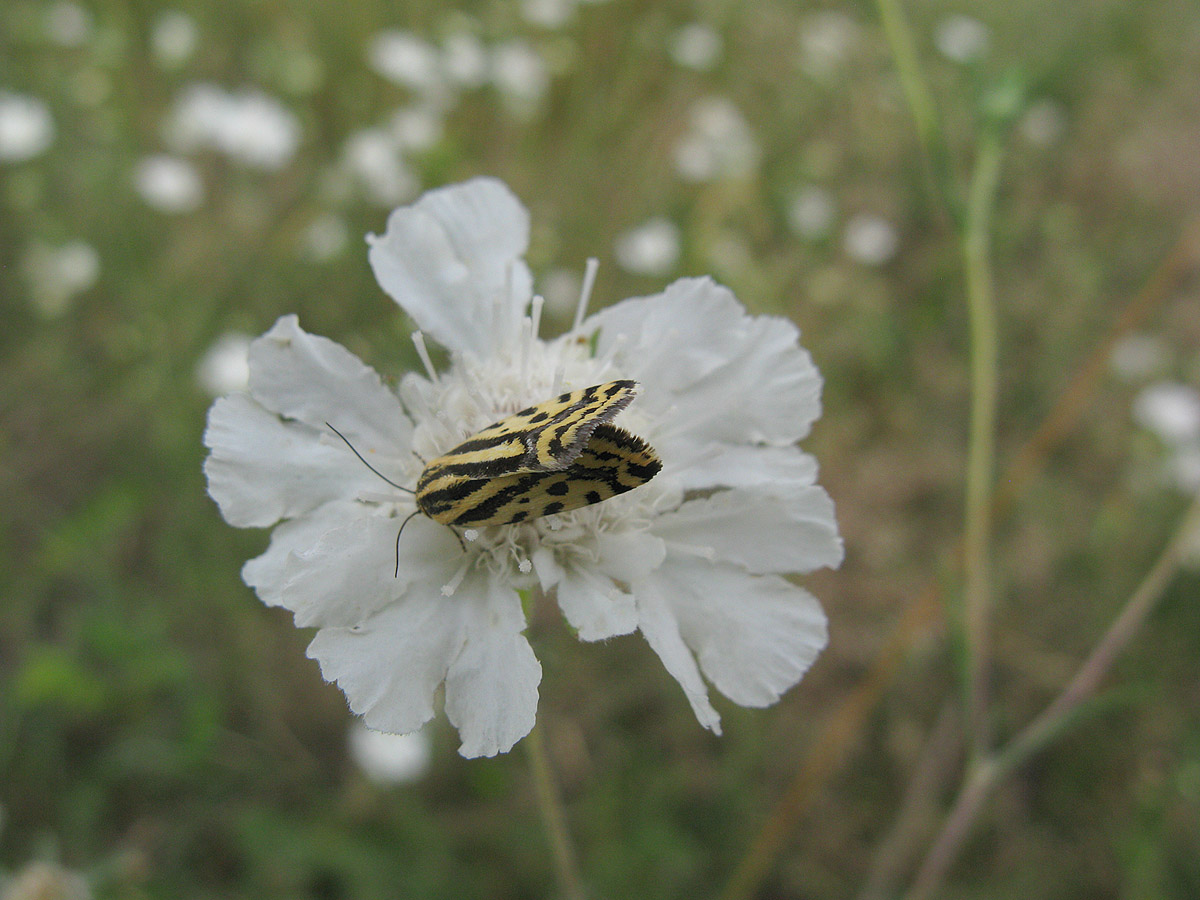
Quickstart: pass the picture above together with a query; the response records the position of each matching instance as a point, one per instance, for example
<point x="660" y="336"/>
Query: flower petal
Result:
<point x="713" y="464"/>
<point x="350" y="572"/>
<point x="315" y="380"/>
<point x="589" y="589"/>
<point x="660" y="627"/>
<point x="754" y="635"/>
<point x="262" y="470"/>
<point x="265" y="573"/>
<point x="492" y="686"/>
<point x="390" y="665"/>
<point x="453" y="261"/>
<point x="787" y="531"/>
<point x="711" y="372"/>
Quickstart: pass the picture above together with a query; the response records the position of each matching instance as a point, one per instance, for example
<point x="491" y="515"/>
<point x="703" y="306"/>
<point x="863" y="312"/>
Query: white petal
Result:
<point x="315" y="380"/>
<point x="265" y="573"/>
<point x="711" y="372"/>
<point x="594" y="605"/>
<point x="453" y="261"/>
<point x="713" y="464"/>
<point x="350" y="572"/>
<point x="660" y="627"/>
<point x="786" y="531"/>
<point x="262" y="470"/>
<point x="754" y="635"/>
<point x="390" y="666"/>
<point x="589" y="590"/>
<point x="492" y="687"/>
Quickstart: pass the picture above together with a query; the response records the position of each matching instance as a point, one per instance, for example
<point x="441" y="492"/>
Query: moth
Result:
<point x="559" y="455"/>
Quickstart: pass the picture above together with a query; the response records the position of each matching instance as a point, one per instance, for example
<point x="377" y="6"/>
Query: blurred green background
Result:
<point x="162" y="733"/>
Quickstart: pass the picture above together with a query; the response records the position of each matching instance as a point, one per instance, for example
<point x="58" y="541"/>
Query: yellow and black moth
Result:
<point x="559" y="455"/>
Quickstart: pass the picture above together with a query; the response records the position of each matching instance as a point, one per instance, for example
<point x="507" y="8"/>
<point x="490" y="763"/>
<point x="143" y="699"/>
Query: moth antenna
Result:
<point x="372" y="468"/>
<point x="407" y="519"/>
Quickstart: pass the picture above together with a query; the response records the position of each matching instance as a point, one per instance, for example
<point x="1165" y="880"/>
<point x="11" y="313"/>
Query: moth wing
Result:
<point x="547" y="437"/>
<point x="612" y="462"/>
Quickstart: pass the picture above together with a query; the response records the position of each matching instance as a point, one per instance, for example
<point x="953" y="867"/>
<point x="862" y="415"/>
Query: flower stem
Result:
<point x="977" y="531"/>
<point x="1053" y="721"/>
<point x="562" y="851"/>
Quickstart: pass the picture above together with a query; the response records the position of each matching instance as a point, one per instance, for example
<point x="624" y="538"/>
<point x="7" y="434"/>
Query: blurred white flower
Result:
<point x="26" y="128"/>
<point x="247" y="126"/>
<point x="465" y="59"/>
<point x="692" y="559"/>
<point x="389" y="758"/>
<point x="373" y="158"/>
<point x="225" y="366"/>
<point x="826" y="40"/>
<point x="1138" y="356"/>
<point x="520" y="76"/>
<point x="870" y="239"/>
<point x="405" y="59"/>
<point x="1183" y="468"/>
<point x="961" y="38"/>
<point x="326" y="238"/>
<point x="651" y="248"/>
<point x="1171" y="411"/>
<point x="56" y="275"/>
<point x="46" y="881"/>
<point x="168" y="183"/>
<point x="68" y="24"/>
<point x="811" y="212"/>
<point x="173" y="38"/>
<point x="547" y="13"/>
<point x="1043" y="123"/>
<point x="560" y="288"/>
<point x="416" y="127"/>
<point x="717" y="144"/>
<point x="696" y="46"/>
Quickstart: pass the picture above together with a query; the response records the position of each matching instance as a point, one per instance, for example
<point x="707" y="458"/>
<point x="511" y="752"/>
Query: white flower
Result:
<point x="870" y="239"/>
<point x="1043" y="123"/>
<point x="225" y="366"/>
<point x="56" y="275"/>
<point x="1170" y="410"/>
<point x="961" y="38"/>
<point x="696" y="46"/>
<point x="407" y="60"/>
<point x="26" y="128"/>
<point x="547" y="13"/>
<point x="693" y="559"/>
<point x="168" y="183"/>
<point x="372" y="156"/>
<point x="248" y="126"/>
<point x="811" y="212"/>
<point x="390" y="758"/>
<point x="520" y="76"/>
<point x="717" y="144"/>
<point x="173" y="38"/>
<point x="826" y="40"/>
<point x="68" y="24"/>
<point x="651" y="248"/>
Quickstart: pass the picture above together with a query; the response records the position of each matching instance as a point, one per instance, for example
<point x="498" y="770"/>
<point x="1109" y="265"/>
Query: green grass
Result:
<point x="162" y="732"/>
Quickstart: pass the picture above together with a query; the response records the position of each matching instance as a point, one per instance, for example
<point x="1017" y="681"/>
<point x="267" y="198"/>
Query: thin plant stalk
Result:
<point x="562" y="849"/>
<point x="846" y="723"/>
<point x="981" y="448"/>
<point x="987" y="773"/>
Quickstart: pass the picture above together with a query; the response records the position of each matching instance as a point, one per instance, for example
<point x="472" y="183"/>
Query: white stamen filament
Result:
<point x="451" y="586"/>
<point x="418" y="340"/>
<point x="585" y="291"/>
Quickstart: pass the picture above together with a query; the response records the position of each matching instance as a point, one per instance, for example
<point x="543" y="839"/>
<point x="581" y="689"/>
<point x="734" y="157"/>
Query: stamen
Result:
<point x="585" y="291"/>
<point x="451" y="586"/>
<point x="418" y="340"/>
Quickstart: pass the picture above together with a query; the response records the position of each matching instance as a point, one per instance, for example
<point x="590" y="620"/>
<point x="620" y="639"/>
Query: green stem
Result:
<point x="916" y="94"/>
<point x="981" y="449"/>
<point x="1053" y="722"/>
<point x="562" y="851"/>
